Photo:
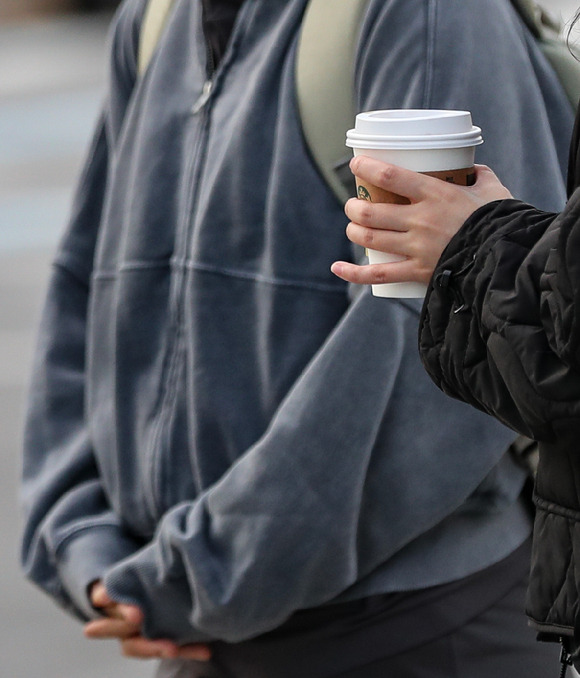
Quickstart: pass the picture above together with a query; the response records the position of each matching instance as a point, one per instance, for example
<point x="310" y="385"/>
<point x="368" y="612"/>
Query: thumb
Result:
<point x="488" y="186"/>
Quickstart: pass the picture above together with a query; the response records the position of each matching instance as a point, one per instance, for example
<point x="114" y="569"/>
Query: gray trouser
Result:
<point x="497" y="642"/>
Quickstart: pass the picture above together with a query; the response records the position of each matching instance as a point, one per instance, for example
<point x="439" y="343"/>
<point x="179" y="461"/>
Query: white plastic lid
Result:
<point x="413" y="129"/>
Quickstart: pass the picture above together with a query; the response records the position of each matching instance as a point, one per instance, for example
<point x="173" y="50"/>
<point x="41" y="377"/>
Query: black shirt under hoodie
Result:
<point x="219" y="17"/>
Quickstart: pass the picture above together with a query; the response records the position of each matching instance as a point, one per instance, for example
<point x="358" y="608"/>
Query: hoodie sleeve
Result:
<point x="71" y="533"/>
<point x="306" y="512"/>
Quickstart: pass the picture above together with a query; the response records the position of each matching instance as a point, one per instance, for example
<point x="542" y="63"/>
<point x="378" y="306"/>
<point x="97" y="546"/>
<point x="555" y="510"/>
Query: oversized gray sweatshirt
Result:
<point x="217" y="428"/>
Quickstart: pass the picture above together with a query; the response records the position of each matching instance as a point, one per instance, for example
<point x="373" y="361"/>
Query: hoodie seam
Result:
<point x="135" y="267"/>
<point x="265" y="279"/>
<point x="430" y="52"/>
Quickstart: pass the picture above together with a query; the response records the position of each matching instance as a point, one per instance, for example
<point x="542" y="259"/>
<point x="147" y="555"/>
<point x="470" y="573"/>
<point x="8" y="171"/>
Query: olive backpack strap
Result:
<point x="154" y="20"/>
<point x="548" y="34"/>
<point x="325" y="85"/>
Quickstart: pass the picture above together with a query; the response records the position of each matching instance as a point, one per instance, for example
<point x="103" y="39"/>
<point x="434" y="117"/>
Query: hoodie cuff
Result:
<point x="85" y="557"/>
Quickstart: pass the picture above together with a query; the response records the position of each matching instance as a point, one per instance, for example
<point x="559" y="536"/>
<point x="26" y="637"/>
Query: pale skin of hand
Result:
<point x="419" y="231"/>
<point x="124" y="623"/>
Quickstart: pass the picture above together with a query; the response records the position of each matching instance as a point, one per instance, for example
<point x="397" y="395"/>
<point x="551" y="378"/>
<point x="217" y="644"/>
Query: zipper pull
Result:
<point x="445" y="282"/>
<point x="565" y="660"/>
<point x="203" y="97"/>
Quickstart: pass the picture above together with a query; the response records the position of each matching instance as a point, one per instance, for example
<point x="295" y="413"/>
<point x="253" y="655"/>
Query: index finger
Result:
<point x="108" y="627"/>
<point x="393" y="178"/>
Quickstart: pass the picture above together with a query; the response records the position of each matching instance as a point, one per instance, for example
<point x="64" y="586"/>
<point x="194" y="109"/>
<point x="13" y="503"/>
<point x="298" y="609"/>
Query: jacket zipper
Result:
<point x="444" y="280"/>
<point x="565" y="660"/>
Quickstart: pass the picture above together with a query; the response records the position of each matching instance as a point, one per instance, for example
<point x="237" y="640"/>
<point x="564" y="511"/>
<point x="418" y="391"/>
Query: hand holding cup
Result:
<point x="418" y="231"/>
<point x="438" y="142"/>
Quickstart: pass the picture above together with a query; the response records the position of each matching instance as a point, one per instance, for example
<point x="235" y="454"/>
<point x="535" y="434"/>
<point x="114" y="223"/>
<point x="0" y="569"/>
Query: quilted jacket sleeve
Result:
<point x="499" y="327"/>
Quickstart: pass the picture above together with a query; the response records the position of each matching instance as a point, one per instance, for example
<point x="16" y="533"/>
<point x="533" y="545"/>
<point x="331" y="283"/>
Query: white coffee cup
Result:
<point x="436" y="142"/>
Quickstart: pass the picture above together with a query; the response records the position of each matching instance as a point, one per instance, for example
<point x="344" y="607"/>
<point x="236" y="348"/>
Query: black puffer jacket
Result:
<point x="501" y="330"/>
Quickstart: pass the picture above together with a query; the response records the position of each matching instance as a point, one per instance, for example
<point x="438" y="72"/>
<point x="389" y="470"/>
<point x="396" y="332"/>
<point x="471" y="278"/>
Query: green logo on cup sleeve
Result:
<point x="363" y="194"/>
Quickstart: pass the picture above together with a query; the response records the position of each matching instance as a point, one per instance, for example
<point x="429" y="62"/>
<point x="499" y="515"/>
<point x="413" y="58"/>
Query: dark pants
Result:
<point x="418" y="638"/>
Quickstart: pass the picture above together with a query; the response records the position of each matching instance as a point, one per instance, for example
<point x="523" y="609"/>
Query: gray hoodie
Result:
<point x="217" y="428"/>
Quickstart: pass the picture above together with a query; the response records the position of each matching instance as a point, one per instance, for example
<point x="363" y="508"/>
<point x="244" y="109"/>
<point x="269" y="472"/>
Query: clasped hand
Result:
<point x="124" y="623"/>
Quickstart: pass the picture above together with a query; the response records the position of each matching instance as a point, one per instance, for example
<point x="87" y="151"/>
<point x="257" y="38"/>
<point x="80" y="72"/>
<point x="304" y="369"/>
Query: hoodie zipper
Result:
<point x="200" y="109"/>
<point x="204" y="97"/>
<point x="210" y="72"/>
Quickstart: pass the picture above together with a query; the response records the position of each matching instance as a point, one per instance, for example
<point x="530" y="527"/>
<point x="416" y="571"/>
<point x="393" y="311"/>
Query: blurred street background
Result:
<point x="52" y="73"/>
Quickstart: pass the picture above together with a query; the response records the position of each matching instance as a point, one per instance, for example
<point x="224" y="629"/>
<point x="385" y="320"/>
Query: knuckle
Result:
<point x="368" y="237"/>
<point x="386" y="175"/>
<point x="364" y="212"/>
<point x="368" y="211"/>
<point x="356" y="274"/>
<point x="381" y="277"/>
